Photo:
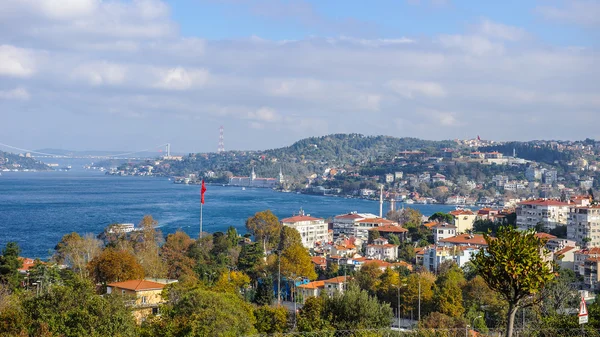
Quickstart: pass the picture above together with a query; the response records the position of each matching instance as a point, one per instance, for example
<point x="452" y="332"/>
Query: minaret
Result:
<point x="392" y="205"/>
<point x="253" y="175"/>
<point x="280" y="175"/>
<point x="381" y="201"/>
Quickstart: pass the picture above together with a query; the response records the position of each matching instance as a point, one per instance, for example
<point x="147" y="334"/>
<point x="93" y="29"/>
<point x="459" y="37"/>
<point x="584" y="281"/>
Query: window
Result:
<point x="144" y="300"/>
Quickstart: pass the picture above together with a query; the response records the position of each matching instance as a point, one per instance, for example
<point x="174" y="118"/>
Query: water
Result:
<point x="38" y="208"/>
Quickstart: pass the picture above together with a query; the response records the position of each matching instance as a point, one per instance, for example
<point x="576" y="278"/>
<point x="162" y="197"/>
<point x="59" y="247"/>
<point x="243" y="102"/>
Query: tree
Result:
<point x="74" y="309"/>
<point x="146" y="245"/>
<point x="289" y="236"/>
<point x="251" y="260"/>
<point x="407" y="217"/>
<point x="10" y="264"/>
<point x="367" y="277"/>
<point x="354" y="309"/>
<point x="115" y="266"/>
<point x="175" y="255"/>
<point x="311" y="317"/>
<point x="441" y="217"/>
<point x="513" y="265"/>
<point x="198" y="312"/>
<point x="270" y="320"/>
<point x="232" y="281"/>
<point x="448" y="298"/>
<point x="295" y="261"/>
<point x="373" y="235"/>
<point x="76" y="251"/>
<point x="410" y="294"/>
<point x="394" y="240"/>
<point x="264" y="291"/>
<point x="265" y="227"/>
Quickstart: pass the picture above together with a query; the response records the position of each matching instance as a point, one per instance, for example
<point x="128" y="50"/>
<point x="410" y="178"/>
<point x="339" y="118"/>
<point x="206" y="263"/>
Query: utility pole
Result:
<point x="279" y="278"/>
<point x="419" y="317"/>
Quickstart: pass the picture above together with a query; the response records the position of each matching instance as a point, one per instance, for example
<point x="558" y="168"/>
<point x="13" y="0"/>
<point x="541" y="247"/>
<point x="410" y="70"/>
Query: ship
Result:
<point x="65" y="168"/>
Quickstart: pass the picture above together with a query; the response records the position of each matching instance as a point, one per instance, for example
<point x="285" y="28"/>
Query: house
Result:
<point x="581" y="256"/>
<point x="443" y="230"/>
<point x="550" y="213"/>
<point x="436" y="255"/>
<point x="319" y="262"/>
<point x="438" y="178"/>
<point x="385" y="231"/>
<point x="487" y="214"/>
<point x="476" y="240"/>
<point x="381" y="249"/>
<point x="463" y="220"/>
<point x="383" y="265"/>
<point x="565" y="258"/>
<point x="336" y="284"/>
<point x="311" y="229"/>
<point x="311" y="289"/>
<point x="555" y="244"/>
<point x="361" y="229"/>
<point x="146" y="296"/>
<point x="27" y="263"/>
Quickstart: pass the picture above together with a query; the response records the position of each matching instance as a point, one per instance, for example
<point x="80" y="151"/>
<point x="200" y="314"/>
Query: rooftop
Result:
<point x="389" y="229"/>
<point x="544" y="202"/>
<point x="471" y="239"/>
<point x="299" y="218"/>
<point x="137" y="285"/>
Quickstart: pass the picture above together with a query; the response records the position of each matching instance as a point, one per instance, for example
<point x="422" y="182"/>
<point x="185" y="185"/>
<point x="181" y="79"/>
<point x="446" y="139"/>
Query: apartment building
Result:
<point x="550" y="213"/>
<point x="311" y="229"/>
<point x="584" y="225"/>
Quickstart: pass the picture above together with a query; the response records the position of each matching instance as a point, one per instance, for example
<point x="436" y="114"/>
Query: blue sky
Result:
<point x="277" y="20"/>
<point x="126" y="75"/>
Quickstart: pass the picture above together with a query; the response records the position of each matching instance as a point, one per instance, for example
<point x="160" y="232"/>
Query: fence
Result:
<point x="440" y="333"/>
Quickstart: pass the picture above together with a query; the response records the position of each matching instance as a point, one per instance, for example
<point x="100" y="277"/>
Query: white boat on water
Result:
<point x="243" y="188"/>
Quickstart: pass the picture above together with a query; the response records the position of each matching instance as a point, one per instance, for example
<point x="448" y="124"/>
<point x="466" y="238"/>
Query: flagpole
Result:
<point x="200" y="220"/>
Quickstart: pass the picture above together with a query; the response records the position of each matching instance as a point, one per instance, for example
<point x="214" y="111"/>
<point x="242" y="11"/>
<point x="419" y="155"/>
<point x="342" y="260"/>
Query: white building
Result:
<point x="361" y="227"/>
<point x="584" y="226"/>
<point x="550" y="213"/>
<point x="382" y="250"/>
<point x="443" y="231"/>
<point x="435" y="256"/>
<point x="312" y="230"/>
<point x="346" y="224"/>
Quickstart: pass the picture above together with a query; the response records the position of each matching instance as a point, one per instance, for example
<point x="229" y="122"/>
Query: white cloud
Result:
<point x="579" y="12"/>
<point x="264" y="114"/>
<point x="180" y="78"/>
<point x="16" y="61"/>
<point x="410" y="89"/>
<point x="500" y="31"/>
<point x="16" y="94"/>
<point x="476" y="45"/>
<point x="100" y="73"/>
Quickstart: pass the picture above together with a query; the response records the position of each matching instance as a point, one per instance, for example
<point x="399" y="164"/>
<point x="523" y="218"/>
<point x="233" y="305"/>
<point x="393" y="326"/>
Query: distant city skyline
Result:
<point x="129" y="75"/>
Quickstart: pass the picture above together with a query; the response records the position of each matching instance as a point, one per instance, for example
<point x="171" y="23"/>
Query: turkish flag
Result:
<point x="202" y="190"/>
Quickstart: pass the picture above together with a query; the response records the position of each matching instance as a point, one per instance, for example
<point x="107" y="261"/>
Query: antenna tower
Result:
<point x="221" y="141"/>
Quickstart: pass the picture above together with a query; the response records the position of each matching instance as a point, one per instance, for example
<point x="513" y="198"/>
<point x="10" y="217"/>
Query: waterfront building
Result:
<point x="550" y="213"/>
<point x="312" y="230"/>
<point x="254" y="181"/>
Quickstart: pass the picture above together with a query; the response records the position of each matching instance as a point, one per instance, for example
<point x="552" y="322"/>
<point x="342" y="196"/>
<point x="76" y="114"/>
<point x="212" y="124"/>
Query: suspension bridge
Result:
<point x="158" y="150"/>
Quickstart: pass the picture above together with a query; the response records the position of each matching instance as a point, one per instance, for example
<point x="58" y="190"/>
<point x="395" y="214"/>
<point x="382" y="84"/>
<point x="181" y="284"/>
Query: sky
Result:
<point x="128" y="75"/>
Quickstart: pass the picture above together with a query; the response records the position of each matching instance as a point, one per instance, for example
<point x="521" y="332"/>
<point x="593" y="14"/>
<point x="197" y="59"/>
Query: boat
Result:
<point x="243" y="188"/>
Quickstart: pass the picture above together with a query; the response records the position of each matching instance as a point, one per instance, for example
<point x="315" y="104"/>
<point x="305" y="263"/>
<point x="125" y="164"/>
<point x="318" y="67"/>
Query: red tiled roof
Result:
<point x="474" y="239"/>
<point x="137" y="285"/>
<point x="590" y="251"/>
<point x="430" y="224"/>
<point x="339" y="279"/>
<point x="387" y="245"/>
<point x="318" y="260"/>
<point x="298" y="218"/>
<point x="389" y="229"/>
<point x="544" y="202"/>
<point x="377" y="220"/>
<point x="564" y="250"/>
<point x="543" y="235"/>
<point x="461" y="212"/>
<point x="313" y="285"/>
<point x="348" y="216"/>
<point x="27" y="264"/>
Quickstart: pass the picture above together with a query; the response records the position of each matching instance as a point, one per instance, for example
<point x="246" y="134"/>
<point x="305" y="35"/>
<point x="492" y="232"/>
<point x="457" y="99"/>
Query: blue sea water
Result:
<point x="38" y="208"/>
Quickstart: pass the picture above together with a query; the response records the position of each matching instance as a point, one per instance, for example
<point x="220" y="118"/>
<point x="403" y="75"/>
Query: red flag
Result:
<point x="478" y="138"/>
<point x="202" y="190"/>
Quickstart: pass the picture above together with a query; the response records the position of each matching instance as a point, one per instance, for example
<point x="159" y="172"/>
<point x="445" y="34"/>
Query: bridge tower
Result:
<point x="221" y="147"/>
<point x="168" y="150"/>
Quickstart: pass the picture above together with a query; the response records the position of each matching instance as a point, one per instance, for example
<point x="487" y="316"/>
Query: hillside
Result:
<point x="10" y="161"/>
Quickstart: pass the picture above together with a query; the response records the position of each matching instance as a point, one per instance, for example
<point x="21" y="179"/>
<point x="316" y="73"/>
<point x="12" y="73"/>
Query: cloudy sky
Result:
<point x="129" y="75"/>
